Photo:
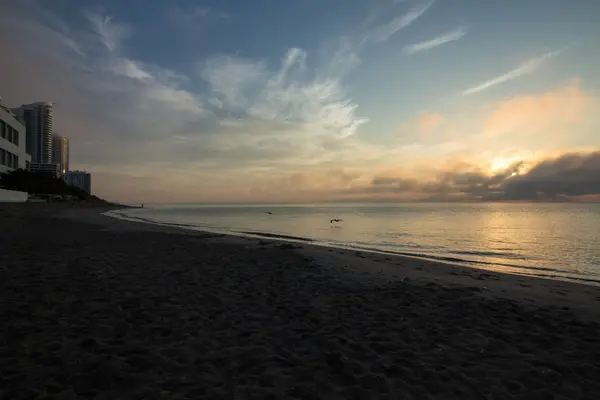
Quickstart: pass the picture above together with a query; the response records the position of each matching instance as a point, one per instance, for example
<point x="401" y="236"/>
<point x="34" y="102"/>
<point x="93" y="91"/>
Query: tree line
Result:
<point x="35" y="182"/>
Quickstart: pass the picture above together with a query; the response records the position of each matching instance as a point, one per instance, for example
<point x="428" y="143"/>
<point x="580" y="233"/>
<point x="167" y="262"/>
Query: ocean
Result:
<point x="556" y="240"/>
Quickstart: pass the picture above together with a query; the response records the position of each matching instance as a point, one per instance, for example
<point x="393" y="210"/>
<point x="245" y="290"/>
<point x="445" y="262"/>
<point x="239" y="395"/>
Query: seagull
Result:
<point x="269" y="212"/>
<point x="335" y="220"/>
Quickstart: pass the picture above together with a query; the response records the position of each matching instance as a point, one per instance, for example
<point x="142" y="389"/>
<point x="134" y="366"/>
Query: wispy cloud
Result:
<point x="527" y="68"/>
<point x="236" y="115"/>
<point x="447" y="37"/>
<point x="342" y="59"/>
<point x="109" y="34"/>
<point x="201" y="11"/>
<point x="383" y="32"/>
<point x="317" y="105"/>
<point x="345" y="55"/>
<point x="230" y="78"/>
<point x="198" y="16"/>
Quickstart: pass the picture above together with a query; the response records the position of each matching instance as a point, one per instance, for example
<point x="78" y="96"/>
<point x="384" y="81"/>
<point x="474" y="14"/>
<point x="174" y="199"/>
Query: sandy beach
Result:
<point x="96" y="308"/>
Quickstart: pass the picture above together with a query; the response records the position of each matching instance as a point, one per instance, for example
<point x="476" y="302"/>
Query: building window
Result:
<point x="3" y="127"/>
<point x="8" y="159"/>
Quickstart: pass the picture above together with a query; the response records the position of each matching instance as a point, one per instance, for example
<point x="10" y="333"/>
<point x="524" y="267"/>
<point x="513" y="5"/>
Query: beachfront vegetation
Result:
<point x="39" y="183"/>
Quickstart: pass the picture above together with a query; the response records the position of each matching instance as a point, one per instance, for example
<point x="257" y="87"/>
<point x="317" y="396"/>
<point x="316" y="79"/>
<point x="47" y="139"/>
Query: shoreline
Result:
<point x="502" y="268"/>
<point x="367" y="265"/>
<point x="382" y="266"/>
<point x="97" y="307"/>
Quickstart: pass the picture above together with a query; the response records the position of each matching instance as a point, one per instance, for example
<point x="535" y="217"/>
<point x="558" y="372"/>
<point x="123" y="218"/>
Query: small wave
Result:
<point x="392" y="235"/>
<point x="463" y="261"/>
<point x="275" y="236"/>
<point x="567" y="277"/>
<point x="121" y="215"/>
<point x="490" y="254"/>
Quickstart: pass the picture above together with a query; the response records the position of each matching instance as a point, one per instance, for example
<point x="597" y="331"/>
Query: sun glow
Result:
<point x="502" y="163"/>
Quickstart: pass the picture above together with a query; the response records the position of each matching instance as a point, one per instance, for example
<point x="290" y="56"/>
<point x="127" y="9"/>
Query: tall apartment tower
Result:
<point x="37" y="120"/>
<point x="60" y="153"/>
<point x="81" y="179"/>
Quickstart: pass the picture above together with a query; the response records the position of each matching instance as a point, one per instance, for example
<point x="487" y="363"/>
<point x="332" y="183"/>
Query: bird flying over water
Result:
<point x="269" y="212"/>
<point x="335" y="220"/>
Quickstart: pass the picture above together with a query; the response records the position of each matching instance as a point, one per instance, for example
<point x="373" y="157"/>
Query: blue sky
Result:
<point x="306" y="100"/>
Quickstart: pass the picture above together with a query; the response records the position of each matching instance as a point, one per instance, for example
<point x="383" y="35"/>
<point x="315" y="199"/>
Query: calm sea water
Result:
<point x="553" y="240"/>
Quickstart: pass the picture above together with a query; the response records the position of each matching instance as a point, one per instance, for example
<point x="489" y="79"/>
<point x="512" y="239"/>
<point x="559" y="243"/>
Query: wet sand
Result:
<point x="97" y="308"/>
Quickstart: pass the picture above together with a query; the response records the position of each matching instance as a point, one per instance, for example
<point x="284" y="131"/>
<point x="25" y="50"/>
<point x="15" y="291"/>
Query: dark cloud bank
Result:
<point x="566" y="178"/>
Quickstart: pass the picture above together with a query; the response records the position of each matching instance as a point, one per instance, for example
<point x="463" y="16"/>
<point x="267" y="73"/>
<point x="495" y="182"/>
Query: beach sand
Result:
<point x="96" y="308"/>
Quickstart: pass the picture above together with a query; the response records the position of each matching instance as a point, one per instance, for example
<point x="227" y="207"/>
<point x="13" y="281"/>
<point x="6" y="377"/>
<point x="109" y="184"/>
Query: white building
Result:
<point x="13" y="143"/>
<point x="37" y="120"/>
<point x="81" y="179"/>
<point x="60" y="153"/>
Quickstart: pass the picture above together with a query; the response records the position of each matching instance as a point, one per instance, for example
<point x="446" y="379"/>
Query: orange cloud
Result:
<point x="425" y="124"/>
<point x="543" y="113"/>
<point x="428" y="122"/>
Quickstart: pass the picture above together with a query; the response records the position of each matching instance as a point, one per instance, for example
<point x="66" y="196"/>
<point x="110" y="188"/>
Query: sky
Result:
<point x="294" y="101"/>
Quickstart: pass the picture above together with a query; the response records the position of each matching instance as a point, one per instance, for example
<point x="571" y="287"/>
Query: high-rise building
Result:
<point x="81" y="179"/>
<point x="48" y="169"/>
<point x="12" y="142"/>
<point x="37" y="120"/>
<point x="60" y="150"/>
